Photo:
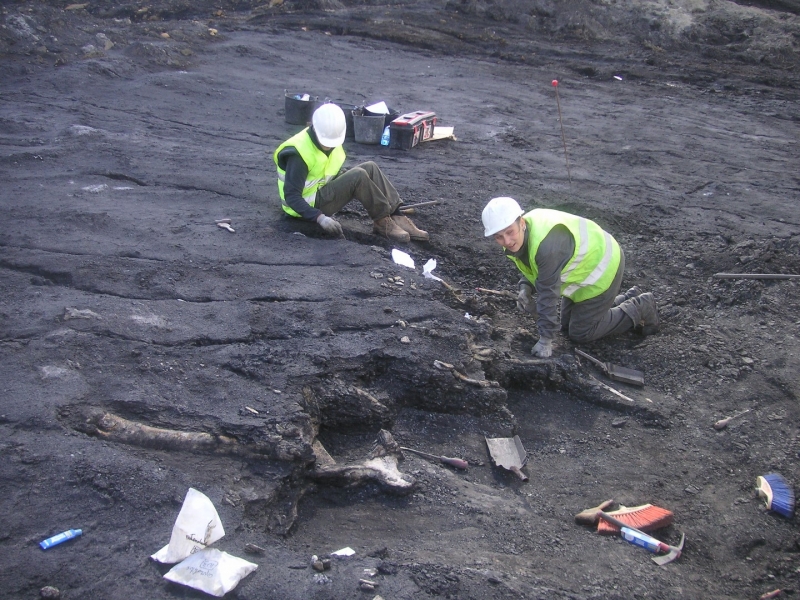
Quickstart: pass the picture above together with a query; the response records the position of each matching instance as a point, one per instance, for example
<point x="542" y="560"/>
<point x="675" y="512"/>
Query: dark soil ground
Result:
<point x="126" y="130"/>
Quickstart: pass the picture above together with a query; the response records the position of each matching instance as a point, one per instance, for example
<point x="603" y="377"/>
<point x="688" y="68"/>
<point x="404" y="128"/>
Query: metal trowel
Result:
<point x="509" y="454"/>
<point x="616" y="372"/>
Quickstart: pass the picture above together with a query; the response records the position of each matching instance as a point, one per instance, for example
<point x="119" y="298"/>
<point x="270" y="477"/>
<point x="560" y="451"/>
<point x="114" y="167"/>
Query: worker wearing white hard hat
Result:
<point x="569" y="259"/>
<point x="313" y="186"/>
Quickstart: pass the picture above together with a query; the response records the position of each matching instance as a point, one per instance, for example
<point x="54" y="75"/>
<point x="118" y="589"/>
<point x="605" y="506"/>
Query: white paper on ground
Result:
<point x="211" y="571"/>
<point x="344" y="552"/>
<point x="196" y="527"/>
<point x="379" y="108"/>
<point x="401" y="258"/>
<point x="427" y="269"/>
<point x="442" y="133"/>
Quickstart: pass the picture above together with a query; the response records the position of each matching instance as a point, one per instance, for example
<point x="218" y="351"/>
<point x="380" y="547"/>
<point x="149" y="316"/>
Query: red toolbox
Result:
<point x="408" y="130"/>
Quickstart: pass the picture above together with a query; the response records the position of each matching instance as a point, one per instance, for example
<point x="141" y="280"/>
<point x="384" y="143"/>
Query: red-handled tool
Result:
<point x="458" y="463"/>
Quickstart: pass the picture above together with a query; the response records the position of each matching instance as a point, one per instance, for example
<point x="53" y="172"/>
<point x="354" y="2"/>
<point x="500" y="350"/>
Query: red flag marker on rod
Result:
<point x="563" y="138"/>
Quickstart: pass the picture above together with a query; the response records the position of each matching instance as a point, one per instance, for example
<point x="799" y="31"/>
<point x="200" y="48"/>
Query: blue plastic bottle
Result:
<point x="60" y="538"/>
<point x="385" y="137"/>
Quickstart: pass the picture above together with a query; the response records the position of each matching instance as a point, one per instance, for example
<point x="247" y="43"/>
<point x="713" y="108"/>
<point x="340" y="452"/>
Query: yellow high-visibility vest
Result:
<point x="321" y="167"/>
<point x="594" y="263"/>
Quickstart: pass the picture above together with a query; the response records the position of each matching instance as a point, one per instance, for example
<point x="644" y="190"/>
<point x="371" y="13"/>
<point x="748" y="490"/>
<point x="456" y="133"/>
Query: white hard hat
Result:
<point x="329" y="125"/>
<point x="499" y="214"/>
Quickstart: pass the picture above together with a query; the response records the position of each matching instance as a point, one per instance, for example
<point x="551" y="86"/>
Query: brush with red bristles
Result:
<point x="646" y="517"/>
<point x="778" y="495"/>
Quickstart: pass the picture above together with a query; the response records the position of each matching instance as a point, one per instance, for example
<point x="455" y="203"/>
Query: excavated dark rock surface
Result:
<point x="146" y="350"/>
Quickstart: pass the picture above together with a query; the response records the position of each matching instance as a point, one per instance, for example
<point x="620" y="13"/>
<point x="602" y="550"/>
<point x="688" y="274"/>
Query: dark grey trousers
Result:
<point x="367" y="184"/>
<point x="596" y="317"/>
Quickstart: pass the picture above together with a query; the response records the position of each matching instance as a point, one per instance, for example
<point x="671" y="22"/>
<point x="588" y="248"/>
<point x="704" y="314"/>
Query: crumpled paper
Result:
<point x="211" y="571"/>
<point x="427" y="269"/>
<point x="402" y="258"/>
<point x="197" y="526"/>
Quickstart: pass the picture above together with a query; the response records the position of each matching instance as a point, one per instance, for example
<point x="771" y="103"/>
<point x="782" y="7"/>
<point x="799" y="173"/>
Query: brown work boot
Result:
<point x="388" y="228"/>
<point x="631" y="293"/>
<point x="408" y="226"/>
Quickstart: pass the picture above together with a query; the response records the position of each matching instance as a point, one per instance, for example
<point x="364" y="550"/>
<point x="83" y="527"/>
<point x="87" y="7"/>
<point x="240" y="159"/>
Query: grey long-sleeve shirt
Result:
<point x="553" y="254"/>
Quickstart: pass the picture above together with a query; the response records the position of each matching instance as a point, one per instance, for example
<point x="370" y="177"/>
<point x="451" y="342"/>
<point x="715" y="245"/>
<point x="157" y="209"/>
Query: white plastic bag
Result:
<point x="211" y="571"/>
<point x="196" y="527"/>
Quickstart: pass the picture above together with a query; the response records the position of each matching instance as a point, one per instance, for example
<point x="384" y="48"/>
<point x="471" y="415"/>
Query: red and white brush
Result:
<point x="646" y="517"/>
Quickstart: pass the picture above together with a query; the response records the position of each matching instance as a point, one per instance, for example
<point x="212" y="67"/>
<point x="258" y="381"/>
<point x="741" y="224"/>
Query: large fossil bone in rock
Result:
<point x="380" y="467"/>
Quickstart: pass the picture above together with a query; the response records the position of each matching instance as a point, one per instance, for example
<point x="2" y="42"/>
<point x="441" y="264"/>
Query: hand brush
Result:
<point x="645" y="517"/>
<point x="778" y="495"/>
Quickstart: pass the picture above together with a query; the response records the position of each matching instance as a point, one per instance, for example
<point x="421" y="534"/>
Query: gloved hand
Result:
<point x="525" y="299"/>
<point x="543" y="348"/>
<point x="330" y="225"/>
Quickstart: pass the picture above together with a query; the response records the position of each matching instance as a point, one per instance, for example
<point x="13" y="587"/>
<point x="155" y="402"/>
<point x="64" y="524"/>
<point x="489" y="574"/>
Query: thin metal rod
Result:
<point x="755" y="276"/>
<point x="563" y="137"/>
<point x="419" y="204"/>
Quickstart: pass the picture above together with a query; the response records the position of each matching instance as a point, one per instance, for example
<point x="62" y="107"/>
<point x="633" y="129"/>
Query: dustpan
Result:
<point x="508" y="453"/>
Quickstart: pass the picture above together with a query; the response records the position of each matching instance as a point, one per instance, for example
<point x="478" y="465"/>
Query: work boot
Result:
<point x="642" y="310"/>
<point x="389" y="229"/>
<point x="631" y="293"/>
<point x="408" y="226"/>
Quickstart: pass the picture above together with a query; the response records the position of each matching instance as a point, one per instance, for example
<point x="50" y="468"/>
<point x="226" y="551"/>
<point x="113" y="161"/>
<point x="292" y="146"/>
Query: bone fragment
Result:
<point x="121" y="430"/>
<point x="484" y="383"/>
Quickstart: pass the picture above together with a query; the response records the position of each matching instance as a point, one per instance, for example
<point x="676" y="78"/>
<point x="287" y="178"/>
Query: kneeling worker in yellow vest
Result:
<point x="570" y="258"/>
<point x="313" y="187"/>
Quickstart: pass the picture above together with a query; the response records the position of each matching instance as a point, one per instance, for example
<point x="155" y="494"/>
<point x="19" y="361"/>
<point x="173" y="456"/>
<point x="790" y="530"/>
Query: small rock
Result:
<point x="619" y="422"/>
<point x="405" y="340"/>
<point x="326" y="564"/>
<point x="318" y="566"/>
<point x="50" y="592"/>
<point x="366" y="587"/>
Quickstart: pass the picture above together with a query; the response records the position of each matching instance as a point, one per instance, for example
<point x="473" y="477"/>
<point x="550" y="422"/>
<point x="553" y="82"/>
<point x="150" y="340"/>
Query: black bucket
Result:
<point x="367" y="127"/>
<point x="297" y="110"/>
<point x="348" y="109"/>
<point x="387" y="119"/>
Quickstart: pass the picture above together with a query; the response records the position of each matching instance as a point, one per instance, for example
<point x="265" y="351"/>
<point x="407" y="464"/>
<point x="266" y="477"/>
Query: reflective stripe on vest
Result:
<point x="321" y="167"/>
<point x="594" y="262"/>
